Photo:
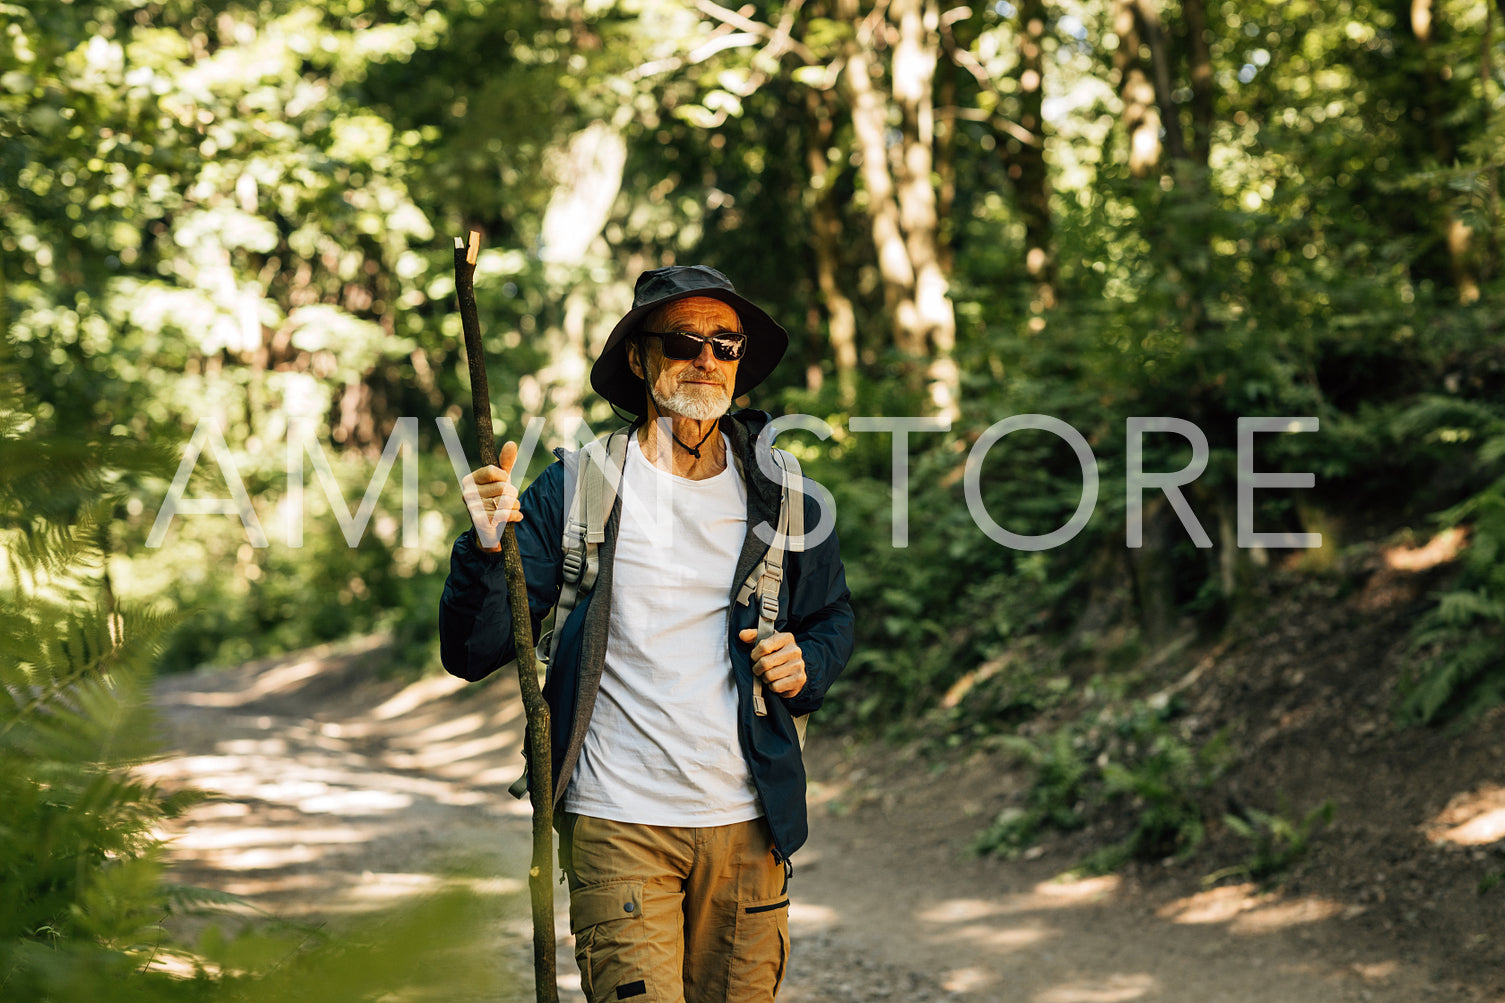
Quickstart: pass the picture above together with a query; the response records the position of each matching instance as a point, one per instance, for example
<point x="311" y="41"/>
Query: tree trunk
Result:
<point x="1195" y="12"/>
<point x="1154" y="573"/>
<point x="587" y="176"/>
<point x="901" y="194"/>
<point x="1458" y="236"/>
<point x="825" y="220"/>
<point x="1235" y="564"/>
<point x="1491" y="261"/>
<point x="913" y="72"/>
<point x="945" y="162"/>
<point x="1028" y="168"/>
<point x="1154" y="38"/>
<point x="869" y="123"/>
<point x="1141" y="120"/>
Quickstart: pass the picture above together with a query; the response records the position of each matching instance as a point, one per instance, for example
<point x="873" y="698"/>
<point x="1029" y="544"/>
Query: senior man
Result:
<point x="681" y="790"/>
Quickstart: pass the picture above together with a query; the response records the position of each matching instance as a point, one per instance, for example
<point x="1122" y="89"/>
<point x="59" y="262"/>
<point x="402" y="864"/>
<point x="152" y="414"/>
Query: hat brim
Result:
<point x="613" y="378"/>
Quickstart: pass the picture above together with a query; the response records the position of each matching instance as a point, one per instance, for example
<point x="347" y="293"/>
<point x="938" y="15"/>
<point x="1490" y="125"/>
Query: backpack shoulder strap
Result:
<point x="793" y="501"/>
<point x="592" y="476"/>
<point x="766" y="579"/>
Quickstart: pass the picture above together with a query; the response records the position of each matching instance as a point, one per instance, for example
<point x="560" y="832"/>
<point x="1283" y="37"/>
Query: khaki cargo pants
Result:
<point x="664" y="914"/>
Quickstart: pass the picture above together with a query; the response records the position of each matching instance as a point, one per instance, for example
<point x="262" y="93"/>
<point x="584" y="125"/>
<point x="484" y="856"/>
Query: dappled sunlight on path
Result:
<point x="1246" y="910"/>
<point x="888" y="886"/>
<point x="1474" y="818"/>
<point x="337" y="791"/>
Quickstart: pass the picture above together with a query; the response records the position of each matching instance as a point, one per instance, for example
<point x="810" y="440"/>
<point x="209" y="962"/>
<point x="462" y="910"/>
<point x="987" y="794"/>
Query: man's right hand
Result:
<point x="491" y="498"/>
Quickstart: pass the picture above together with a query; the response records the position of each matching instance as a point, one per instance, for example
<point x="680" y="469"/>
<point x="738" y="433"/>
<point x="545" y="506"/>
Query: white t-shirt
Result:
<point x="662" y="747"/>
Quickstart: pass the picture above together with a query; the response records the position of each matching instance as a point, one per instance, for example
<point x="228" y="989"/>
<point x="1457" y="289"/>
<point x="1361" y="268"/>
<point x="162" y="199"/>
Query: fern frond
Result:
<point x="1493" y="450"/>
<point x="194" y="900"/>
<point x="1432" y="412"/>
<point x="1460" y="608"/>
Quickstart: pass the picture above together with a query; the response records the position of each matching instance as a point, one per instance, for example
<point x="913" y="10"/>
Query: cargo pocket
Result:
<point x="607" y="921"/>
<point x="762" y="949"/>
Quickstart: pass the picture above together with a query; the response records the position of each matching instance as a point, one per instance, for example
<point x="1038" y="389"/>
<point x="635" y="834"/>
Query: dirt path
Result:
<point x="339" y="793"/>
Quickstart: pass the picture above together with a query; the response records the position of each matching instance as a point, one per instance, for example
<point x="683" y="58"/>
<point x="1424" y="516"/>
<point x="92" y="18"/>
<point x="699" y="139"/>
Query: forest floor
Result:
<point x="339" y="789"/>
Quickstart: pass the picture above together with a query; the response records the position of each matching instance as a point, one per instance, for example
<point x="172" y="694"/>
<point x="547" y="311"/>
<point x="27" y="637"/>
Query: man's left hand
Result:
<point x="778" y="661"/>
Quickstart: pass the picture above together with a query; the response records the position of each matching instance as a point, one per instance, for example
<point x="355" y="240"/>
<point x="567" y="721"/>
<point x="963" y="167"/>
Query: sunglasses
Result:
<point x="682" y="346"/>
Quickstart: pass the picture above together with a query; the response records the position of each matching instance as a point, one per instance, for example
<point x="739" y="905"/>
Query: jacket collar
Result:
<point x="763" y="493"/>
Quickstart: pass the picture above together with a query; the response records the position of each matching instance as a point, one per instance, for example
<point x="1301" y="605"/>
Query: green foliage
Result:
<point x="1162" y="782"/>
<point x="82" y="896"/>
<point x="1131" y="755"/>
<point x="240" y="602"/>
<point x="80" y="899"/>
<point x="949" y="598"/>
<point x="1277" y="841"/>
<point x="242" y="211"/>
<point x="1055" y="799"/>
<point x="1459" y="672"/>
<point x="437" y="949"/>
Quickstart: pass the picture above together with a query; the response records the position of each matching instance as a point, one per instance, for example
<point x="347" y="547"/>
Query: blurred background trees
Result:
<point x="1092" y="209"/>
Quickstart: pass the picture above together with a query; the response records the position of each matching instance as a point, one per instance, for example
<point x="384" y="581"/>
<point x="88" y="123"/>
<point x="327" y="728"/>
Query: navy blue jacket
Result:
<point x="475" y="628"/>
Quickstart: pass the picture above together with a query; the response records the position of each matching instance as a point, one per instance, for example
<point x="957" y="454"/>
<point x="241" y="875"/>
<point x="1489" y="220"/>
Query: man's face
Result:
<point x="698" y="388"/>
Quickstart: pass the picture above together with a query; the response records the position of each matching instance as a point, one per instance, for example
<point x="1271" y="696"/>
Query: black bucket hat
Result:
<point x="613" y="378"/>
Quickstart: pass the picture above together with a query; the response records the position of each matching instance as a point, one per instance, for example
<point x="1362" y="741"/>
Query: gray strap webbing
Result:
<point x="767" y="578"/>
<point x="590" y="496"/>
<point x="592" y="474"/>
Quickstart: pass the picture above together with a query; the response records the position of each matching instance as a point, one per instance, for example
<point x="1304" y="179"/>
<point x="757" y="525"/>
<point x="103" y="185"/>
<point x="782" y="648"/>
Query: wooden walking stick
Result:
<point x="540" y="769"/>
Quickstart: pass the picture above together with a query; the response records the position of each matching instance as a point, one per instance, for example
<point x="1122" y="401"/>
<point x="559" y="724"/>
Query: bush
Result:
<point x="82" y="894"/>
<point x="1458" y="671"/>
<point x="1133" y="756"/>
<point x="1277" y="841"/>
<point x="80" y="891"/>
<point x="241" y="602"/>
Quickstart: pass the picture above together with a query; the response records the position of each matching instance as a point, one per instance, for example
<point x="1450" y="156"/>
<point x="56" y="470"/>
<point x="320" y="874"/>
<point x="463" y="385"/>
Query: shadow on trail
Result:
<point x="899" y="910"/>
<point x="335" y="792"/>
<point x="338" y="791"/>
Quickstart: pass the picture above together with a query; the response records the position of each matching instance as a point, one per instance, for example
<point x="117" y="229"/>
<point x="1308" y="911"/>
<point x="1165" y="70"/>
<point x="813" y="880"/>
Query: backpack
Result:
<point x="592" y="476"/>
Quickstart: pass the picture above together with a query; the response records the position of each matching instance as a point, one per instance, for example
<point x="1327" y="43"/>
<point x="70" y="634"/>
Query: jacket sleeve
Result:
<point x="475" y="616"/>
<point x="820" y="615"/>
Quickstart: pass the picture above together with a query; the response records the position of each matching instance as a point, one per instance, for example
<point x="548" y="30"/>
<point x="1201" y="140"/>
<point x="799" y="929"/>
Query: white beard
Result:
<point x="696" y="402"/>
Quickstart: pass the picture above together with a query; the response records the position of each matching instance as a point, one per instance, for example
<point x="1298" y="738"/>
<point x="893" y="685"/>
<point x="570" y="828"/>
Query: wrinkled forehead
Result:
<point x="701" y="314"/>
